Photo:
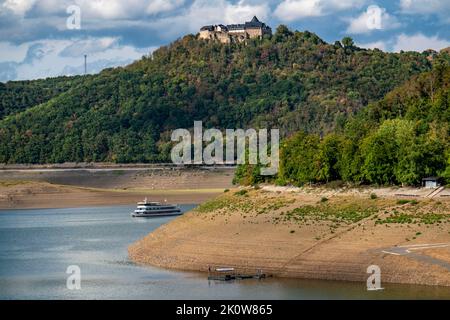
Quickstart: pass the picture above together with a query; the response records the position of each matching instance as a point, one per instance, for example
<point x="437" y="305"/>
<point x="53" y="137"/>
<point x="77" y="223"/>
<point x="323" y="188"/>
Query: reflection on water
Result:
<point x="36" y="247"/>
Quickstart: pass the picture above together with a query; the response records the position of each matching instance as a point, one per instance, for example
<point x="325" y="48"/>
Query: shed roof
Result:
<point x="431" y="179"/>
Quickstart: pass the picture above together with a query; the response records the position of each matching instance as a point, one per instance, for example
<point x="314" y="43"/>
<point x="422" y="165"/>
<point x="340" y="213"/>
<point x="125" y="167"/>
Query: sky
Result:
<point x="47" y="38"/>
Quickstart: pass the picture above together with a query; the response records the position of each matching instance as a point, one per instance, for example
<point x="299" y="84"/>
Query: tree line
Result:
<point x="398" y="140"/>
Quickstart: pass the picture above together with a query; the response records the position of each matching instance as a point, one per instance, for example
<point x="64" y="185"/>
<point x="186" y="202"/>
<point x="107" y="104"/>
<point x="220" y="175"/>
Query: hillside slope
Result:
<point x="17" y="96"/>
<point x="398" y="140"/>
<point x="292" y="81"/>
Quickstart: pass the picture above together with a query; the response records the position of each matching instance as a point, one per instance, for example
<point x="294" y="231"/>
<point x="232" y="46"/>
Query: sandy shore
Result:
<point x="299" y="233"/>
<point x="52" y="188"/>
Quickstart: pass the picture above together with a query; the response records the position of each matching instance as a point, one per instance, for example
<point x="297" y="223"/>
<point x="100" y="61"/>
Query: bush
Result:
<point x="241" y="193"/>
<point x="373" y="196"/>
<point x="405" y="201"/>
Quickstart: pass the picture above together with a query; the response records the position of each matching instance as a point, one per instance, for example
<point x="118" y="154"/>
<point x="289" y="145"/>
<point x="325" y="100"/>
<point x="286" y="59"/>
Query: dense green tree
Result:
<point x="347" y="42"/>
<point x="17" y="96"/>
<point x="328" y="158"/>
<point x="298" y="159"/>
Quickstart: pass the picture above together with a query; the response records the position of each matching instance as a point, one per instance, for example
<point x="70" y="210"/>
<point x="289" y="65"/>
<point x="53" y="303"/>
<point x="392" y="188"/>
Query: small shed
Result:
<point x="431" y="182"/>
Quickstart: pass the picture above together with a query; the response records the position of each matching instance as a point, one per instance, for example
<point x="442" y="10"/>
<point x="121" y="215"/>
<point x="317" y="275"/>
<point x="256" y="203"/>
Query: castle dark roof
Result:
<point x="236" y="26"/>
<point x="254" y="23"/>
<point x="207" y="28"/>
<point x="212" y="28"/>
<point x="223" y="26"/>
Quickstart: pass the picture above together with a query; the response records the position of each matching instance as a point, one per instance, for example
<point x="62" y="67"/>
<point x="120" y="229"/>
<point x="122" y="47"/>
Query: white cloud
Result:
<point x="372" y="45"/>
<point x="242" y="11"/>
<point x="125" y="9"/>
<point x="12" y="53"/>
<point x="49" y="58"/>
<point x="204" y="12"/>
<point x="87" y="46"/>
<point x="290" y="10"/>
<point x="344" y="4"/>
<point x="419" y="42"/>
<point x="440" y="8"/>
<point x="158" y="6"/>
<point x="374" y="18"/>
<point x="101" y="9"/>
<point x="18" y="7"/>
<point x="111" y="9"/>
<point x="425" y="6"/>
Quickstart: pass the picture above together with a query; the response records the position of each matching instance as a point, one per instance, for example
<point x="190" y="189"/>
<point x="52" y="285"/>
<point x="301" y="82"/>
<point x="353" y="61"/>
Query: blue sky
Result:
<point x="35" y="41"/>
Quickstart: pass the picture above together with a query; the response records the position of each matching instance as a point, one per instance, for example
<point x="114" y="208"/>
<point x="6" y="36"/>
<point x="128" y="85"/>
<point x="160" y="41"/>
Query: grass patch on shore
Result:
<point x="405" y="201"/>
<point x="417" y="212"/>
<point x="248" y="202"/>
<point x="428" y="218"/>
<point x="335" y="212"/>
<point x="12" y="183"/>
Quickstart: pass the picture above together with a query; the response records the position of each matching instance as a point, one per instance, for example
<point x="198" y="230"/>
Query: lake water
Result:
<point x="37" y="246"/>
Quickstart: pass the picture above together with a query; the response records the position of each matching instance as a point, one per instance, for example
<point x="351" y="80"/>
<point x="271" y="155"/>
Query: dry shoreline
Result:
<point x="41" y="187"/>
<point x="251" y="232"/>
<point x="32" y="195"/>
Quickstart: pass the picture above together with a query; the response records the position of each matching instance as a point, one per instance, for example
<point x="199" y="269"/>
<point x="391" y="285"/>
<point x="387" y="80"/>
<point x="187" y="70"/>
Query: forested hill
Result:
<point x="16" y="96"/>
<point x="292" y="81"/>
<point x="398" y="140"/>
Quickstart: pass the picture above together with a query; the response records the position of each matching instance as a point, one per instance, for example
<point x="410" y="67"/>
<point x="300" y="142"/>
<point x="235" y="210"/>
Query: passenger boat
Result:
<point x="155" y="209"/>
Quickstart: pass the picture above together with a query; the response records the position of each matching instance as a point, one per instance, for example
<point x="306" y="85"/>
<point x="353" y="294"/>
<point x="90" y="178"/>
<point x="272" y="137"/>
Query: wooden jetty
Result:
<point x="231" y="273"/>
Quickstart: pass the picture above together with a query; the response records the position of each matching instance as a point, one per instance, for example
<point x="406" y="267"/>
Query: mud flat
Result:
<point x="310" y="234"/>
<point x="41" y="187"/>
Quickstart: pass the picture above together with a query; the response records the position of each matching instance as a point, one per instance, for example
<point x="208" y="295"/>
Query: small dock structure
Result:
<point x="231" y="273"/>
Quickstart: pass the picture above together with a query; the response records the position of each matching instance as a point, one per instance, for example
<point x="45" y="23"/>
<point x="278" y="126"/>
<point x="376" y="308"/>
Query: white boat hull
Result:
<point x="156" y="214"/>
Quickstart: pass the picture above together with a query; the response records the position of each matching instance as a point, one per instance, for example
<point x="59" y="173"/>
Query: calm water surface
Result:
<point x="37" y="246"/>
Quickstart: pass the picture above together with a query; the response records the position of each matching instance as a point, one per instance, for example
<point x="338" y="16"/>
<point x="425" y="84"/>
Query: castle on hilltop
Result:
<point x="235" y="32"/>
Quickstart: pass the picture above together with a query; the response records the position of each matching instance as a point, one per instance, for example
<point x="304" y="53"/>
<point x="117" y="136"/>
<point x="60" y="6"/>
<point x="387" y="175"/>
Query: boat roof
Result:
<point x="224" y="269"/>
<point x="152" y="203"/>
